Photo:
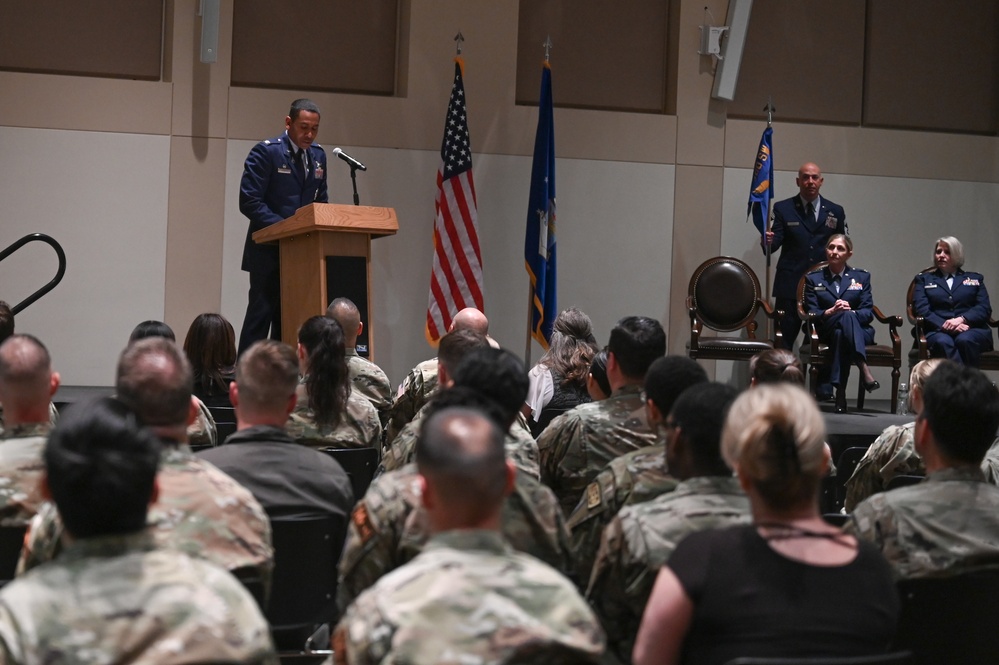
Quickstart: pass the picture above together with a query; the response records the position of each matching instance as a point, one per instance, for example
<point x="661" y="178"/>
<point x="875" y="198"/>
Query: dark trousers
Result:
<point x="965" y="348"/>
<point x="263" y="309"/>
<point x="789" y="324"/>
<point x="848" y="340"/>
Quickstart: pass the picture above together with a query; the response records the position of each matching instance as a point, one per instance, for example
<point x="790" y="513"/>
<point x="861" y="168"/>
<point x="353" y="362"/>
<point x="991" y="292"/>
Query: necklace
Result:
<point x="789" y="531"/>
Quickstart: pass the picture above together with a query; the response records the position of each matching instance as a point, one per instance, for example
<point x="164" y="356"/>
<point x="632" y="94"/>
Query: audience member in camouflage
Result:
<point x="203" y="432"/>
<point x="27" y="384"/>
<point x="948" y="524"/>
<point x="414" y="392"/>
<point x="421" y="382"/>
<point x="636" y="476"/>
<point x="358" y="427"/>
<point x="129" y="601"/>
<point x="389" y="528"/>
<point x="639" y="540"/>
<point x="579" y="443"/>
<point x="199" y="510"/>
<point x="329" y="413"/>
<point x="467" y="597"/>
<point x="366" y="377"/>
<point x="521" y="448"/>
<point x="53" y="416"/>
<point x="892" y="453"/>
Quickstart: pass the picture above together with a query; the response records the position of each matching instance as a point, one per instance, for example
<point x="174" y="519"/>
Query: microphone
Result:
<point x="354" y="164"/>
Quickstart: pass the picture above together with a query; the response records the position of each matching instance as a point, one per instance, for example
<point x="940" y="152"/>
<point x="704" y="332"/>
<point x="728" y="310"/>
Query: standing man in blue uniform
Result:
<point x="280" y="176"/>
<point x="802" y="225"/>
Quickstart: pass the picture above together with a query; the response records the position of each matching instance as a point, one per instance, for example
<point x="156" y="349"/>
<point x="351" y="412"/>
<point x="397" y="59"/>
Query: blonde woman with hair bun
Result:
<point x="788" y="585"/>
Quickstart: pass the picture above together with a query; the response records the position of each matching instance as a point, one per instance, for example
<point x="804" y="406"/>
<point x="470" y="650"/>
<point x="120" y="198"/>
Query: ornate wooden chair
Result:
<point x="814" y="352"/>
<point x="724" y="295"/>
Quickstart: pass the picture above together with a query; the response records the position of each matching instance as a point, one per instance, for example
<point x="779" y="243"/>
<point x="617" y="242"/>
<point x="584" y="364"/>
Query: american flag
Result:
<point x="456" y="280"/>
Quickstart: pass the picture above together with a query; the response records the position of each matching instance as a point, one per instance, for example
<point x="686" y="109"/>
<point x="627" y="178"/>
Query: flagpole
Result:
<point x="766" y="219"/>
<point x="547" y="44"/>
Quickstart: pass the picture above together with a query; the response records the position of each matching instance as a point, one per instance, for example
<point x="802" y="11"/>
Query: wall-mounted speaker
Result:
<point x="727" y="72"/>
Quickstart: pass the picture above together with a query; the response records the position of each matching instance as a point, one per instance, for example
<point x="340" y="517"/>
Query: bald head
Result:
<point x="470" y="319"/>
<point x="27" y="381"/>
<point x="345" y="312"/>
<point x="809" y="181"/>
<point x="155" y="380"/>
<point x="460" y="455"/>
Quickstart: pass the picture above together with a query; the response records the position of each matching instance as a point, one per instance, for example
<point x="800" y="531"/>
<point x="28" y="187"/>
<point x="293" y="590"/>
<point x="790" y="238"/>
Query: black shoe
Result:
<point x="872" y="386"/>
<point x="823" y="397"/>
<point x="840" y="401"/>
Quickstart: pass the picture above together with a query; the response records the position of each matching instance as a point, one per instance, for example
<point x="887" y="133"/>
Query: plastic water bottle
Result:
<point x="903" y="399"/>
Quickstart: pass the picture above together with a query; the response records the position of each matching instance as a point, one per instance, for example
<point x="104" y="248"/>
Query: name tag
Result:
<point x="284" y="170"/>
<point x="971" y="282"/>
<point x="931" y="286"/>
<point x="794" y="223"/>
<point x="820" y="287"/>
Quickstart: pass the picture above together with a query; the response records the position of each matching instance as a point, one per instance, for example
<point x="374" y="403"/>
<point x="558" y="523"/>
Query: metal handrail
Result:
<point x="49" y="240"/>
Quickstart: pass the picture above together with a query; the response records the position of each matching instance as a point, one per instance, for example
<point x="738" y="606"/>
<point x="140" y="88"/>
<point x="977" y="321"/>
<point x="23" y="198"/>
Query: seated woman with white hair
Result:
<point x="787" y="585"/>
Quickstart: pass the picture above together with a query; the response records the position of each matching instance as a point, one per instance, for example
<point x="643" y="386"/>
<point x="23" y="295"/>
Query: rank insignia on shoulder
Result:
<point x="593" y="497"/>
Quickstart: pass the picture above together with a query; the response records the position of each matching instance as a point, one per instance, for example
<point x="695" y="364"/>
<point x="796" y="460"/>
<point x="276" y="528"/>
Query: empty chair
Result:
<point x="724" y="295"/>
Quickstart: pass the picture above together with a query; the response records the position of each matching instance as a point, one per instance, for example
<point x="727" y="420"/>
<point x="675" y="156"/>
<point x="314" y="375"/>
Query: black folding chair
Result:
<point x="950" y="620"/>
<point x="303" y="587"/>
<point x="11" y="540"/>
<point x="360" y="465"/>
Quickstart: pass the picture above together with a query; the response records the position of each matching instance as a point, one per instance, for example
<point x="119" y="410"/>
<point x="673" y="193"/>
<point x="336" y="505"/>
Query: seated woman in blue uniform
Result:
<point x="954" y="305"/>
<point x="841" y="298"/>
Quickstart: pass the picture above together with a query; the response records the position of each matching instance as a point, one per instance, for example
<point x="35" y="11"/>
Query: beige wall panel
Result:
<point x="700" y="122"/>
<point x="194" y="230"/>
<point x="867" y="151"/>
<point x="49" y="101"/>
<point x="201" y="91"/>
<point x="697" y="210"/>
<point x="809" y="56"/>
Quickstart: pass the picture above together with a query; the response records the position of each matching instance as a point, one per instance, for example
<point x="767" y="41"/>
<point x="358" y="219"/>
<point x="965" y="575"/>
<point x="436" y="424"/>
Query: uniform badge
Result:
<point x="284" y="169"/>
<point x="831" y="221"/>
<point x="593" y="497"/>
<point x="362" y="523"/>
<point x="319" y="171"/>
<point x="971" y="282"/>
<point x="855" y="286"/>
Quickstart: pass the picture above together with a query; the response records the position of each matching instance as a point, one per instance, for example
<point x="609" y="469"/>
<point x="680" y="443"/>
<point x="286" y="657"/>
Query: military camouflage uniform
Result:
<point x="200" y="511"/>
<point x="115" y="599"/>
<point x="634" y="478"/>
<point x="577" y="445"/>
<point x="639" y="541"/>
<point x="21" y="467"/>
<point x="469" y="598"/>
<point x="359" y="426"/>
<point x="371" y="382"/>
<point x="203" y="432"/>
<point x="389" y="527"/>
<point x="945" y="525"/>
<point x="53" y="416"/>
<point x="893" y="454"/>
<point x="521" y="448"/>
<point x="413" y="393"/>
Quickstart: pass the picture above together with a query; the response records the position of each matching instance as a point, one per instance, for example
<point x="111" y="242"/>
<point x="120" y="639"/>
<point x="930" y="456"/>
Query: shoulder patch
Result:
<point x="593" y="495"/>
<point x="363" y="523"/>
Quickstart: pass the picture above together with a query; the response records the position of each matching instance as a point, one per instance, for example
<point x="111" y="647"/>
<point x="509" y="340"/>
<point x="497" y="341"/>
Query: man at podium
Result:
<point x="280" y="176"/>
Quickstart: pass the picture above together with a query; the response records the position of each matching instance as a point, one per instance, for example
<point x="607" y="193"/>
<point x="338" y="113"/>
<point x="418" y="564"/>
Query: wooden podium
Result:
<point x="325" y="253"/>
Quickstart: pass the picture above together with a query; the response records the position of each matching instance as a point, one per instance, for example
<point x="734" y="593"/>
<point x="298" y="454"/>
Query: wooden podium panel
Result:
<point x="308" y="242"/>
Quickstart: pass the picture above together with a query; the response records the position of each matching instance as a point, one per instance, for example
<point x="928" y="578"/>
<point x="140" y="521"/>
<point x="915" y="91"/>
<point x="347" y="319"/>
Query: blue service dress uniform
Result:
<point x="273" y="187"/>
<point x="802" y="240"/>
<point x="933" y="300"/>
<point x="848" y="332"/>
